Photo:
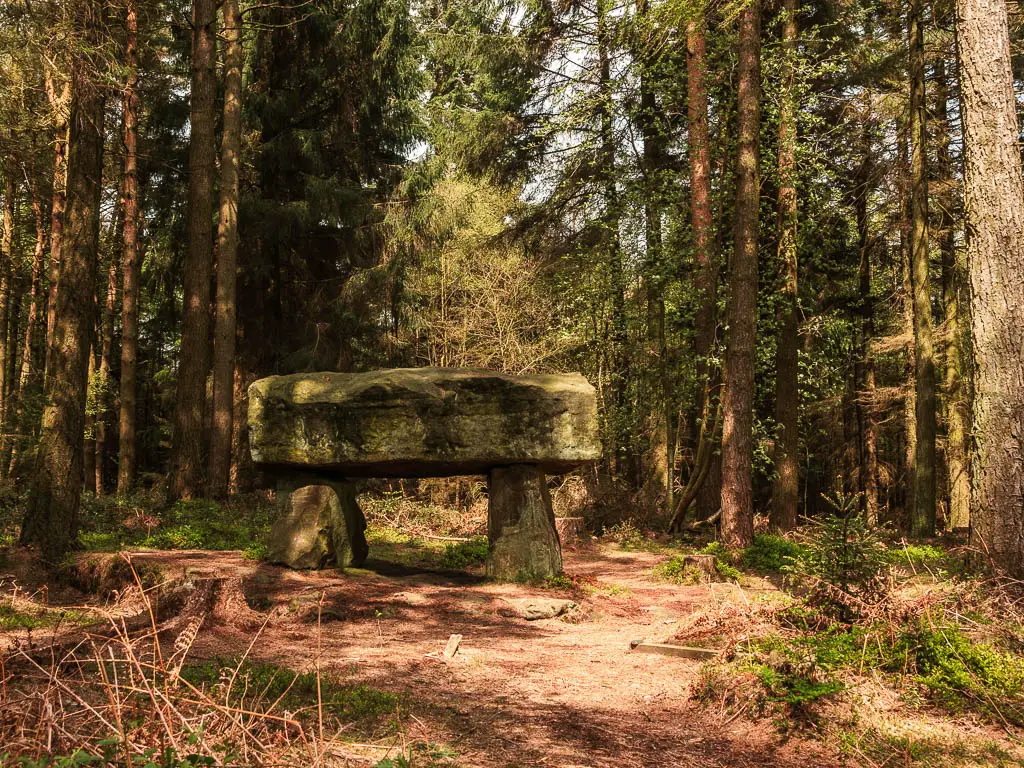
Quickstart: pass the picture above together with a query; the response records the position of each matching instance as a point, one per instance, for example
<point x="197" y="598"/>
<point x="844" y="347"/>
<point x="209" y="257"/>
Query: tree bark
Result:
<point x="655" y="272"/>
<point x="227" y="257"/>
<point x="786" y="490"/>
<point x="709" y="497"/>
<point x="193" y="361"/>
<point x="104" y="385"/>
<point x="60" y="106"/>
<point x="621" y="432"/>
<point x="994" y="195"/>
<point x="27" y="357"/>
<point x="957" y="471"/>
<point x="923" y="513"/>
<point x="866" y="397"/>
<point x="130" y="262"/>
<point x="737" y="429"/>
<point x="51" y="518"/>
<point x="6" y="278"/>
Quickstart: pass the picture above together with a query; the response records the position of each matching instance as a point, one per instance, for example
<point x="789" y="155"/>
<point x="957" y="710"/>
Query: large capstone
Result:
<point x="319" y="523"/>
<point x="422" y="422"/>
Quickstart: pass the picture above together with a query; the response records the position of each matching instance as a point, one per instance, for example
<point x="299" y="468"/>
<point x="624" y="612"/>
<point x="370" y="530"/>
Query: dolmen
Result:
<point x="316" y="432"/>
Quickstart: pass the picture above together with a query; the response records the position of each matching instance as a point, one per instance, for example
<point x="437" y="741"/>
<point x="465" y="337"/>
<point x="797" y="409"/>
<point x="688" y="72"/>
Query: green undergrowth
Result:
<point x="928" y="663"/>
<point x="889" y="745"/>
<point x="110" y="524"/>
<point x="395" y="546"/>
<point x="295" y="692"/>
<point x="39" y="618"/>
<point x="466" y="554"/>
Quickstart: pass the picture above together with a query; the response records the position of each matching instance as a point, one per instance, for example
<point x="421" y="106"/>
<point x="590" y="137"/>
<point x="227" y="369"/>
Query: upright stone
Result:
<point x="319" y="523"/>
<point x="521" y="526"/>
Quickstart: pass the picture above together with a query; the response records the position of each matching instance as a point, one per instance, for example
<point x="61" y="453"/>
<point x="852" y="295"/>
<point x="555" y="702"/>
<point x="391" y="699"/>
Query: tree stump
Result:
<point x="571" y="532"/>
<point x="703" y="566"/>
<point x="320" y="522"/>
<point x="521" y="526"/>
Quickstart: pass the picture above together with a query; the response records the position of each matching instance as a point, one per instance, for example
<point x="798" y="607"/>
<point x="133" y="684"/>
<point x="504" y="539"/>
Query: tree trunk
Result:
<point x="994" y="194"/>
<point x="958" y="474"/>
<point x="657" y="352"/>
<point x="737" y="429"/>
<point x="709" y="497"/>
<point x="866" y="397"/>
<point x="51" y="518"/>
<point x="28" y="364"/>
<point x="786" y="488"/>
<point x="130" y="262"/>
<point x="193" y="359"/>
<point x="621" y="431"/>
<point x="923" y="512"/>
<point x="227" y="256"/>
<point x="6" y="279"/>
<point x="104" y="385"/>
<point x="60" y="104"/>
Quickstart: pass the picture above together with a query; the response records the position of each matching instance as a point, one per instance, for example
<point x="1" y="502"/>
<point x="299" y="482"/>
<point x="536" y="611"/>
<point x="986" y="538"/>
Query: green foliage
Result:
<point x="466" y="554"/>
<point x="294" y="691"/>
<point x="955" y="672"/>
<point x="109" y="751"/>
<point x="843" y="561"/>
<point x="960" y="674"/>
<point x="770" y="554"/>
<point x="917" y="555"/>
<point x="561" y="581"/>
<point x="110" y="524"/>
<point x="13" y="619"/>
<point x="627" y="536"/>
<point x="395" y="762"/>
<point x="678" y="571"/>
<point x="795" y="690"/>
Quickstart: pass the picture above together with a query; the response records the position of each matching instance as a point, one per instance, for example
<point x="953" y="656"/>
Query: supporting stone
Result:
<point x="319" y="523"/>
<point x="521" y="525"/>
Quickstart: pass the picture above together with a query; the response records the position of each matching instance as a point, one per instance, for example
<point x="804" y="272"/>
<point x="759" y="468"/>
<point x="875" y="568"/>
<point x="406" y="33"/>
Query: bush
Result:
<point x="466" y="554"/>
<point x="770" y="554"/>
<point x="843" y="561"/>
<point x="959" y="674"/>
<point x="627" y="535"/>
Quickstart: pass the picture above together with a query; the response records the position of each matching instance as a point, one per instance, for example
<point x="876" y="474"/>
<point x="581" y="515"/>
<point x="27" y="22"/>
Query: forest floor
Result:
<point x="565" y="692"/>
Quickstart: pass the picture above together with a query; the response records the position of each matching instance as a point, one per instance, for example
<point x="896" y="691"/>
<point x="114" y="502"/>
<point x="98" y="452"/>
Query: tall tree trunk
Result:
<point x="60" y="104"/>
<point x="194" y="356"/>
<point x="227" y="256"/>
<point x="709" y="497"/>
<point x="89" y="431"/>
<point x="655" y="269"/>
<point x="104" y="385"/>
<point x="28" y="363"/>
<point x="51" y="518"/>
<point x="994" y="194"/>
<point x="621" y="431"/>
<point x="786" y="488"/>
<point x="130" y="262"/>
<point x="738" y="410"/>
<point x="958" y="474"/>
<point x="866" y="397"/>
<point x="6" y="281"/>
<point x="909" y="444"/>
<point x="923" y="513"/>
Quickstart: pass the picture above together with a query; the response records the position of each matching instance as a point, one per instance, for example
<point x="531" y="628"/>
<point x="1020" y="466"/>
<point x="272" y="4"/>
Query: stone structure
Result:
<point x="316" y="430"/>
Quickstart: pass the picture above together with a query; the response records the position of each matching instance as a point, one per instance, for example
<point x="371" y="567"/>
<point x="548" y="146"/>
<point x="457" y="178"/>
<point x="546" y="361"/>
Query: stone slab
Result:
<point x="422" y="422"/>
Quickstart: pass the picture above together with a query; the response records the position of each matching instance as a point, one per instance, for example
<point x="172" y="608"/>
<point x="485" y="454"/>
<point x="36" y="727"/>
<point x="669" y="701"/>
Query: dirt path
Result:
<point x="554" y="692"/>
